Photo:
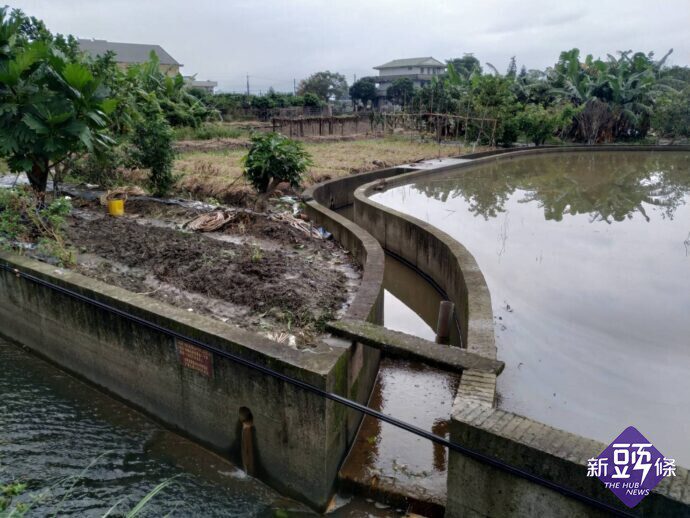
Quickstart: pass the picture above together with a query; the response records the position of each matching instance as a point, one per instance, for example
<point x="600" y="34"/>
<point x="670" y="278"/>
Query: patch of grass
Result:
<point x="335" y="159"/>
<point x="207" y="131"/>
<point x="218" y="174"/>
<point x="214" y="174"/>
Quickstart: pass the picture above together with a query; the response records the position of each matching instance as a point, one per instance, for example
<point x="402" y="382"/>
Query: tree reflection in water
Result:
<point x="609" y="186"/>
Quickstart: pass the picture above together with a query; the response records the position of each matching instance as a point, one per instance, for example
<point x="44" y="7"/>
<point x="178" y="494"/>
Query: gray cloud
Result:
<point x="276" y="41"/>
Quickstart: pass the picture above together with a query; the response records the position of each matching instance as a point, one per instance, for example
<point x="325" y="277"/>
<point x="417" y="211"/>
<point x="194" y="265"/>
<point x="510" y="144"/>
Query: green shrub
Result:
<point x="274" y="158"/>
<point x="52" y="105"/>
<point x="539" y="123"/>
<point x="672" y="115"/>
<point x="311" y="99"/>
<point x="152" y="139"/>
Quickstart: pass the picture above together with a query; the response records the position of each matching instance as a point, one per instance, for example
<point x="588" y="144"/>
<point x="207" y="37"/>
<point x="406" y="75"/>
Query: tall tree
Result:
<point x="51" y="105"/>
<point x="401" y="91"/>
<point x="466" y="65"/>
<point x="363" y="90"/>
<point x="326" y="85"/>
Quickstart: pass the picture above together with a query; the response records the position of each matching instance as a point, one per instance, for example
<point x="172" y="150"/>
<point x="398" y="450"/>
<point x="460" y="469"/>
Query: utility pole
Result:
<point x="294" y="86"/>
<point x="247" y="84"/>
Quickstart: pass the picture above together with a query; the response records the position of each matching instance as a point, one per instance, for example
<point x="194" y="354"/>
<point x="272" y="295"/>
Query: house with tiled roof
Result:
<point x="127" y="54"/>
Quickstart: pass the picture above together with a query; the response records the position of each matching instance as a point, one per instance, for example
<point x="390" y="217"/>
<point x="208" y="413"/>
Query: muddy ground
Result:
<point x="255" y="273"/>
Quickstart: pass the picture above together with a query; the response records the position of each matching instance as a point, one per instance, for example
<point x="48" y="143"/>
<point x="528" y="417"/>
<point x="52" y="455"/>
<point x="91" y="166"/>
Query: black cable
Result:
<point x="329" y="395"/>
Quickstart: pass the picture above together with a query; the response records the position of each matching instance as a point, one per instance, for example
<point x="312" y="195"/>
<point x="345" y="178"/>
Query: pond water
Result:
<point x="587" y="258"/>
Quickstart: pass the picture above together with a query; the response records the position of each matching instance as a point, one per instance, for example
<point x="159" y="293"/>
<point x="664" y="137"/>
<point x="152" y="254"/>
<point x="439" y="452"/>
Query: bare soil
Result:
<point x="256" y="273"/>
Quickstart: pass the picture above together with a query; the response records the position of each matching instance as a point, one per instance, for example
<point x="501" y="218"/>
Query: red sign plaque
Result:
<point x="195" y="358"/>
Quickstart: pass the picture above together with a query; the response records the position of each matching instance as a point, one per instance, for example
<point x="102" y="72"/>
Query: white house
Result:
<point x="419" y="70"/>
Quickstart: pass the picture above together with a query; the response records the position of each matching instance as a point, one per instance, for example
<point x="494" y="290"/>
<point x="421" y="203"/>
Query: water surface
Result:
<point x="587" y="258"/>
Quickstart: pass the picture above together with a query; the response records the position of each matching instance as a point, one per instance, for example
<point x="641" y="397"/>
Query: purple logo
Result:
<point x="631" y="467"/>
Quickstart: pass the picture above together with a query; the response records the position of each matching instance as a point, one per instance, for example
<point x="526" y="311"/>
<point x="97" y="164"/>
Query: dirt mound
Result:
<point x="296" y="282"/>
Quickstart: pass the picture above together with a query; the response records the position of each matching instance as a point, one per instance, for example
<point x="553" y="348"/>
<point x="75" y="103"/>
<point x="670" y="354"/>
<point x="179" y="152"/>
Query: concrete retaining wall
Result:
<point x="439" y="256"/>
<point x="300" y="438"/>
<point x="322" y="201"/>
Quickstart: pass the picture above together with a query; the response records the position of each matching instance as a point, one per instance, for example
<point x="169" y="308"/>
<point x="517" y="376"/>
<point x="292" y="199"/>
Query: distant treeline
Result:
<point x="625" y="97"/>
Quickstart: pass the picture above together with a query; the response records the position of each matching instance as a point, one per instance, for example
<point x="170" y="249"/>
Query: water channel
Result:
<point x="587" y="258"/>
<point x="384" y="455"/>
<point x="81" y="453"/>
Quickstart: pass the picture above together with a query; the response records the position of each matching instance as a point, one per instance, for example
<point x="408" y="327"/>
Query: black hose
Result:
<point x="485" y="459"/>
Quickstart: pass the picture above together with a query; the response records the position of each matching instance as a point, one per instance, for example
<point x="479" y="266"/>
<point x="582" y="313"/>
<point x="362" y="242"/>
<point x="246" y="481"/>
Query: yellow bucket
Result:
<point x="116" y="207"/>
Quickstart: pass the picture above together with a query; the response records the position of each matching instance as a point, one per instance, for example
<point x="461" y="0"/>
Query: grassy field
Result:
<point x="209" y="130"/>
<point x="218" y="174"/>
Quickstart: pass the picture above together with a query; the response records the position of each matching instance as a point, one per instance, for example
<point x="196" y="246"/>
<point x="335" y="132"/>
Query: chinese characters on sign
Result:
<point x="195" y="358"/>
<point x="631" y="467"/>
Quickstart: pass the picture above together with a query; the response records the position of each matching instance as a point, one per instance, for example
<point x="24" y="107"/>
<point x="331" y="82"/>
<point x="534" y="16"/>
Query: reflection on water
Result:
<point x="389" y="456"/>
<point x="410" y="304"/>
<point x="585" y="255"/>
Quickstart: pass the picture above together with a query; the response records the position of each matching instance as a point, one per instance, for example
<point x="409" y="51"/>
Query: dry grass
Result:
<point x="218" y="174"/>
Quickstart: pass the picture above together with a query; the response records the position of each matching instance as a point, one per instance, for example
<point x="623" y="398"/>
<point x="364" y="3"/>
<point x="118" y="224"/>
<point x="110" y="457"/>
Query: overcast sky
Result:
<point x="276" y="41"/>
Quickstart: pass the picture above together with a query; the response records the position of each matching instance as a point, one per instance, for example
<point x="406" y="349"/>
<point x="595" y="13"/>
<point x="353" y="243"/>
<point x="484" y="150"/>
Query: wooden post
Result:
<point x="247" y="441"/>
<point x="443" y="326"/>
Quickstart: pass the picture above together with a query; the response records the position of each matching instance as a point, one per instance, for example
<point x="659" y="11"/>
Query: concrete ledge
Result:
<point x="439" y="256"/>
<point x="322" y="201"/>
<point x="402" y="345"/>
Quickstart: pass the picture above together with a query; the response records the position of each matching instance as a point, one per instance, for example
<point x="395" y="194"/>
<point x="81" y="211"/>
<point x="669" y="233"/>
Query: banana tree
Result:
<point x="51" y="105"/>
